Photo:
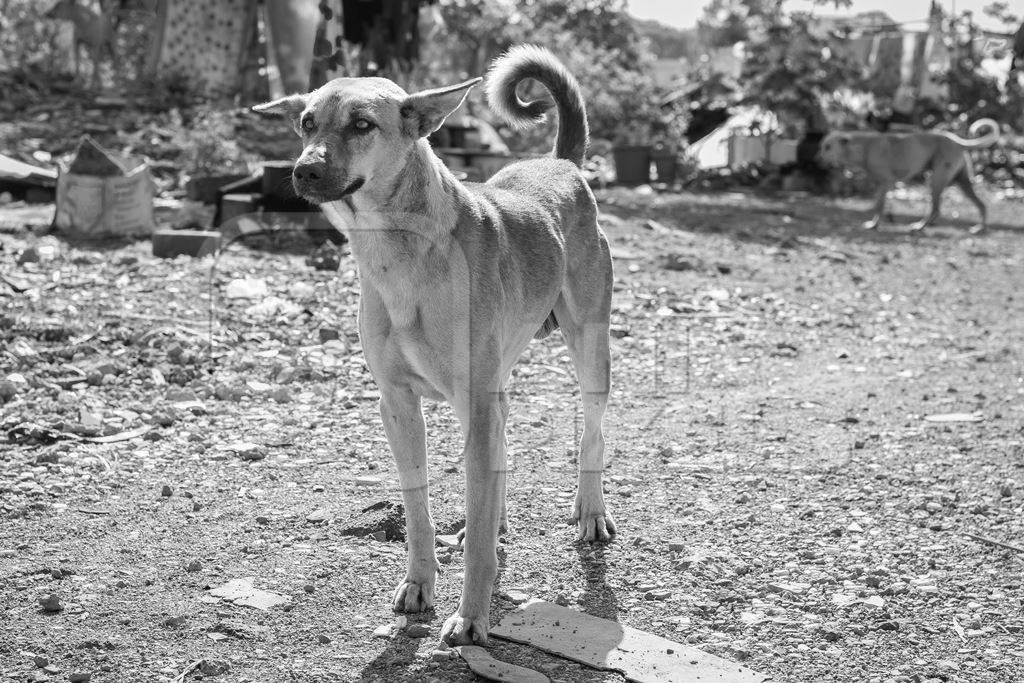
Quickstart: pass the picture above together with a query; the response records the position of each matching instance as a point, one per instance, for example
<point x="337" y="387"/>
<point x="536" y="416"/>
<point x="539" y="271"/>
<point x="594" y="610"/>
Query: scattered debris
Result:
<point x="383" y="517"/>
<point x="242" y="592"/>
<point x="483" y="664"/>
<point x="992" y="541"/>
<point x="955" y="417"/>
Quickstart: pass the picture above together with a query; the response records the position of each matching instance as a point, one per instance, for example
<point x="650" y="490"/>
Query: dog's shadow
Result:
<point x="598" y="597"/>
<point x="394" y="662"/>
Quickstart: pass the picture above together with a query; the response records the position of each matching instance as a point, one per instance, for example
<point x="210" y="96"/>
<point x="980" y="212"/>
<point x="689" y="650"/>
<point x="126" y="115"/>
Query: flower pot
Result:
<point x="664" y="164"/>
<point x="632" y="164"/>
<point x="204" y="188"/>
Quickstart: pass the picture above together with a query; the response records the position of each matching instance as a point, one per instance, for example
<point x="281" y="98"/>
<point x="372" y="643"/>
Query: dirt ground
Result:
<point x="775" y="482"/>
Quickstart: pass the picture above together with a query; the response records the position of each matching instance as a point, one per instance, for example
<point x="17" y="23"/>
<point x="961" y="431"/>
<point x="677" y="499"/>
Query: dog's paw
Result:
<point x="460" y="630"/>
<point x="413" y="596"/>
<point x="594" y="523"/>
<point x="460" y="535"/>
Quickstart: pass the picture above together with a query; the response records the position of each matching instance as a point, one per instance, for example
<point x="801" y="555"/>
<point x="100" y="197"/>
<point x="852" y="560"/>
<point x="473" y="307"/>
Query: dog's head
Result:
<point x="834" y="149"/>
<point x="358" y="131"/>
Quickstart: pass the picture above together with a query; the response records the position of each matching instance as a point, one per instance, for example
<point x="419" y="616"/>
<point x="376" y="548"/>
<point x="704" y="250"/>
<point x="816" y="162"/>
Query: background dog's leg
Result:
<point x="963" y="181"/>
<point x="403" y="423"/>
<point x="483" y="420"/>
<point x="582" y="311"/>
<point x="939" y="181"/>
<point x="883" y="192"/>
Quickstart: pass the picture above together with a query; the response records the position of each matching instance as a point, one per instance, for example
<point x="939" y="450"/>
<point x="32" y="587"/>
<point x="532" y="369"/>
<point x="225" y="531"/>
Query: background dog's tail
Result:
<point x="990" y="137"/>
<point x="530" y="61"/>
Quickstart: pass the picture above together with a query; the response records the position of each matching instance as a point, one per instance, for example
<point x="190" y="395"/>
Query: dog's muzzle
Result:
<point x="313" y="183"/>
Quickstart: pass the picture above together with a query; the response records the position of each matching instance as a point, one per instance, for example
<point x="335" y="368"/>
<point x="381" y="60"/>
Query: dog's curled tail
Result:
<point x="990" y="137"/>
<point x="530" y="61"/>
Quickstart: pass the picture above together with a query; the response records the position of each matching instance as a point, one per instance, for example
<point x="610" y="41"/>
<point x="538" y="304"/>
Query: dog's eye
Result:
<point x="363" y="125"/>
<point x="308" y="124"/>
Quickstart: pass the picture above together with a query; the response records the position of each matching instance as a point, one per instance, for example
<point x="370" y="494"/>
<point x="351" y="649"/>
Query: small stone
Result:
<point x="448" y="540"/>
<point x="247" y="450"/>
<point x="676" y="546"/>
<point x="260" y="519"/>
<point x="309" y="588"/>
<point x="29" y="255"/>
<point x="51" y="603"/>
<point x="889" y="626"/>
<point x="281" y="395"/>
<point x="318" y="516"/>
<point x="788" y="587"/>
<point x="440" y="655"/>
<point x="166" y="491"/>
<point x="417" y="631"/>
<point x="214" y="667"/>
<point x="173" y="622"/>
<point x="328" y="333"/>
<point x="8" y="390"/>
<point x="367" y="481"/>
<point x="194" y="566"/>
<point x="80" y="677"/>
<point x="658" y="594"/>
<point x="517" y="597"/>
<point x="382" y="631"/>
<point x="40" y="661"/>
<point x="323" y="639"/>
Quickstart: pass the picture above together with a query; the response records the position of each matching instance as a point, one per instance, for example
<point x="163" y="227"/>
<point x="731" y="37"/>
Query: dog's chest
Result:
<point x="406" y="273"/>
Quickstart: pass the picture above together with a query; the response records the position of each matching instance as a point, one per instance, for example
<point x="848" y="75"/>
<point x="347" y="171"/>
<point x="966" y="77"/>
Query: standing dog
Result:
<point x="889" y="157"/>
<point x="456" y="279"/>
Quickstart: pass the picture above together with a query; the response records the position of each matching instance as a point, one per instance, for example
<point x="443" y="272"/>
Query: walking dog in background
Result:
<point x="92" y="30"/>
<point x="891" y="157"/>
<point x="456" y="279"/>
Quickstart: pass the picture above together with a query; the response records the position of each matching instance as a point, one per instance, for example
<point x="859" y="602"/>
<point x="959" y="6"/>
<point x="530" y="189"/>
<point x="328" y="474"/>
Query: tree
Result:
<point x="727" y="22"/>
<point x="789" y="67"/>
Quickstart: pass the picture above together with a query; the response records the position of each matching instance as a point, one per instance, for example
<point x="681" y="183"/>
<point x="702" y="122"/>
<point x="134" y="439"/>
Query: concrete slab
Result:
<point x="602" y="644"/>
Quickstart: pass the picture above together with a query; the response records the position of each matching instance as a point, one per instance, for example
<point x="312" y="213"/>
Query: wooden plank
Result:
<point x="602" y="644"/>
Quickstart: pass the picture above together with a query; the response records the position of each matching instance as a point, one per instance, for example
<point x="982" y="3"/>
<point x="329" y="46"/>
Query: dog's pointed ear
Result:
<point x="424" y="112"/>
<point x="290" y="107"/>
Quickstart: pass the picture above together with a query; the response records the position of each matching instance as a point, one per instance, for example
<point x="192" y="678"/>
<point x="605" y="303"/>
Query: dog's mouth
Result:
<point x="317" y="195"/>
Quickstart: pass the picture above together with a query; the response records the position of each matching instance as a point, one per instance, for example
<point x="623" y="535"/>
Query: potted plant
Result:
<point x="211" y="157"/>
<point x="664" y="155"/>
<point x="631" y="152"/>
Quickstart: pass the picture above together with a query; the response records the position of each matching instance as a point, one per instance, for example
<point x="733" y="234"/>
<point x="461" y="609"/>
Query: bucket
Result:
<point x="632" y="164"/>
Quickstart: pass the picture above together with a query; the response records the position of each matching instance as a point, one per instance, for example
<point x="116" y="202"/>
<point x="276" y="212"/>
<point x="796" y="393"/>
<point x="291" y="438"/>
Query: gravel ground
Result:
<point x="783" y="466"/>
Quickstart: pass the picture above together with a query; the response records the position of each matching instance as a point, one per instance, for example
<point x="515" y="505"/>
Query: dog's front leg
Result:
<point x="483" y="422"/>
<point x="403" y="423"/>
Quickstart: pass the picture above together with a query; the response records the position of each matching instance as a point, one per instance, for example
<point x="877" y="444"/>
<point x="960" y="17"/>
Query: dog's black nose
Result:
<point x="313" y="170"/>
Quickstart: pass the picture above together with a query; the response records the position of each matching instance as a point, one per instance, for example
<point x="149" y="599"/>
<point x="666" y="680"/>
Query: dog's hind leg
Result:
<point x="876" y="218"/>
<point x="963" y="181"/>
<point x="403" y="424"/>
<point x="582" y="311"/>
<point x="940" y="179"/>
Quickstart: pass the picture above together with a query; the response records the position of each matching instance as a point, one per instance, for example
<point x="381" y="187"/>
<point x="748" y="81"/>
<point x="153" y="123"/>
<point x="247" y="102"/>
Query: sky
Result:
<point x="684" y="13"/>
